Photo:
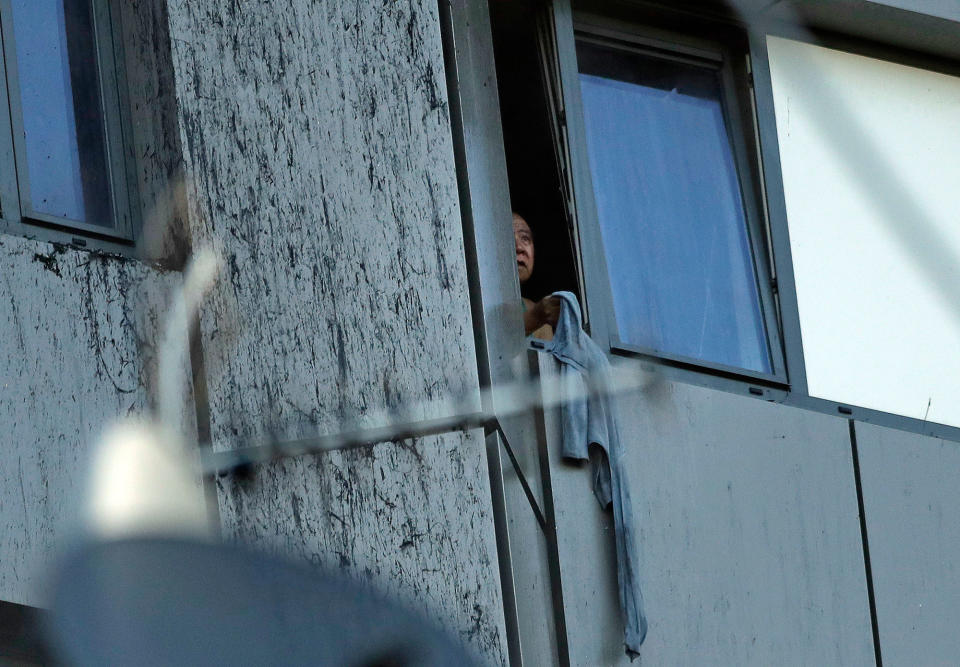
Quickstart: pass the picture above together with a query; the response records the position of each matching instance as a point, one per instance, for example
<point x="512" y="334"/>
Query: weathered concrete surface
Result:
<point x="318" y="152"/>
<point x="403" y="517"/>
<point x="910" y="500"/>
<point x="80" y="328"/>
<point x="78" y="331"/>
<point x="151" y="133"/>
<point x="746" y="520"/>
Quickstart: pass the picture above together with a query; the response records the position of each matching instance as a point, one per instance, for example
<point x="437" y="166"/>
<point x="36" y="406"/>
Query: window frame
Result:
<point x="742" y="126"/>
<point x="485" y="196"/>
<point x="798" y="396"/>
<point x="16" y="214"/>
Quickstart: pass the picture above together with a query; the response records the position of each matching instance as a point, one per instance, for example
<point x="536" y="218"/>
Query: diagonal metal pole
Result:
<point x="519" y="397"/>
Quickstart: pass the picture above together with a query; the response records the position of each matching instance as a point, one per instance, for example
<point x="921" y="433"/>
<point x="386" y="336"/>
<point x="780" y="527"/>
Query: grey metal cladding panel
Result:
<point x="77" y="331"/>
<point x="900" y="24"/>
<point x="910" y="500"/>
<point x="530" y="562"/>
<point x="318" y="152"/>
<point x="749" y="542"/>
<point x="945" y="9"/>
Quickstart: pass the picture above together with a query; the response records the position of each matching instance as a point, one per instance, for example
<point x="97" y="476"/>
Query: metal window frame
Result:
<point x="769" y="179"/>
<point x="502" y="356"/>
<point x="740" y="124"/>
<point x="18" y="217"/>
<point x="551" y="75"/>
<point x="799" y="396"/>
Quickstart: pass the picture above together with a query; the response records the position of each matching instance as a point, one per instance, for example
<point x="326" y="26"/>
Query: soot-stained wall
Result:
<point x="318" y="154"/>
<point x="151" y="133"/>
<point x="80" y="328"/>
<point x="79" y="332"/>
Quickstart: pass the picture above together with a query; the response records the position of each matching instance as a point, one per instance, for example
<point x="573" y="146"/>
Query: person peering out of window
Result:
<point x="539" y="318"/>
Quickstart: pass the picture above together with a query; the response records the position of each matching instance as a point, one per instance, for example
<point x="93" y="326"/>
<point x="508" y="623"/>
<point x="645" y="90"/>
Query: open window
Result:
<point x="868" y="149"/>
<point x="643" y="137"/>
<point x="531" y="140"/>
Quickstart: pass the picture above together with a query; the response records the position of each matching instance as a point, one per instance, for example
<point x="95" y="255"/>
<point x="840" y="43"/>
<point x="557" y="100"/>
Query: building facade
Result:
<point x="793" y="443"/>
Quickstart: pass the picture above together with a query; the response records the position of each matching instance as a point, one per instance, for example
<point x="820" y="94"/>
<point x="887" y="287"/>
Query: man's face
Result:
<point x="523" y="239"/>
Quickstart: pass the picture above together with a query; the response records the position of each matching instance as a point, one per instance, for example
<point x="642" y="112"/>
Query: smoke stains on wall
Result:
<point x="311" y="141"/>
<point x="152" y="136"/>
<point x="406" y="517"/>
<point x="318" y="152"/>
<point x="78" y="330"/>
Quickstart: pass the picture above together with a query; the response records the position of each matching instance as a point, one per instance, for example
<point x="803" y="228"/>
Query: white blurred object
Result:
<point x="144" y="480"/>
<point x="198" y="278"/>
<point x="143" y="483"/>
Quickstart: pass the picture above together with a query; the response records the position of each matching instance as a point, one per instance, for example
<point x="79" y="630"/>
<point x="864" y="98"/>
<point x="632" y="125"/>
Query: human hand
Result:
<point x="544" y="311"/>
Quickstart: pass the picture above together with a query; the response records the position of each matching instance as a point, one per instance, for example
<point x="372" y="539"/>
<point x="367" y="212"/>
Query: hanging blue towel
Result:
<point x="592" y="420"/>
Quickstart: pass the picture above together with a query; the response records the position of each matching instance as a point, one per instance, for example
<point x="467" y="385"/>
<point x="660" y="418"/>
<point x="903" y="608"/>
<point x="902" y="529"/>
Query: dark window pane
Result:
<point x="62" y="117"/>
<point x="670" y="209"/>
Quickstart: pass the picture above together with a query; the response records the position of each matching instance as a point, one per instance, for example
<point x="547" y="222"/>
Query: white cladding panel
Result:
<point x="870" y="153"/>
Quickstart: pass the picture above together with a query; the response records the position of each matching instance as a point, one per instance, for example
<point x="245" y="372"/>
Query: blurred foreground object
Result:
<point x="142" y="483"/>
<point x="147" y="585"/>
<point x="144" y="479"/>
<point x="172" y="602"/>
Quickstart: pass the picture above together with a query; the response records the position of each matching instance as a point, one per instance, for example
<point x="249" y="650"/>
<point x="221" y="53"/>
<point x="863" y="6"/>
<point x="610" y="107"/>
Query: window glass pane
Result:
<point x="670" y="208"/>
<point x="60" y="102"/>
<point x="870" y="154"/>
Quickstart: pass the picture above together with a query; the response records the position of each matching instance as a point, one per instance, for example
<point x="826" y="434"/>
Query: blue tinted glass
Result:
<point x="62" y="117"/>
<point x="670" y="209"/>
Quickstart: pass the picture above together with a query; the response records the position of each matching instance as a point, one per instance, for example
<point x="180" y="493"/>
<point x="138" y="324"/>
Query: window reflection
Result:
<point x="670" y="208"/>
<point x="62" y="115"/>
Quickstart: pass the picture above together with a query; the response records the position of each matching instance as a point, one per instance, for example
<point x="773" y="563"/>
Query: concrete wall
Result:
<point x="312" y="142"/>
<point x="318" y="153"/>
<point x="80" y="329"/>
<point x="78" y="333"/>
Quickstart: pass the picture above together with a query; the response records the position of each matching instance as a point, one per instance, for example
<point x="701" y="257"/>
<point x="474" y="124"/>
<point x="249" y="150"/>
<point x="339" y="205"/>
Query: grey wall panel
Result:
<point x="746" y="517"/>
<point x="318" y="152"/>
<point x="910" y="500"/>
<point x="916" y="26"/>
<point x="946" y="9"/>
<point x="78" y="332"/>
